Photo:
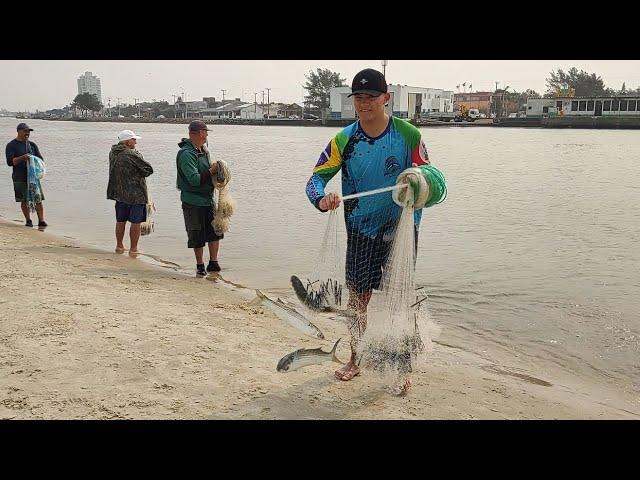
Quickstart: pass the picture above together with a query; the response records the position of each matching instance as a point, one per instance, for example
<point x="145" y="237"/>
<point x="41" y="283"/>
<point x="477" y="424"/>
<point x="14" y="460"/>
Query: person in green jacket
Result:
<point x="195" y="173"/>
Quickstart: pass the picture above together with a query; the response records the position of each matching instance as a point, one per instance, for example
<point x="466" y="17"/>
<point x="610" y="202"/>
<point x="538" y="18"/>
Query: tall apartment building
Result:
<point x="89" y="83"/>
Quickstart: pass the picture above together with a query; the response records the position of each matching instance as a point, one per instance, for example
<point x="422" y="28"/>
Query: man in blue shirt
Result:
<point x="17" y="152"/>
<point x="370" y="154"/>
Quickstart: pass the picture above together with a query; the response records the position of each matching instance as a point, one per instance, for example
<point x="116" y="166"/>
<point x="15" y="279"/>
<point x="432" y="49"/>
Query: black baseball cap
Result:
<point x="23" y="126"/>
<point x="369" y="81"/>
<point x="197" y="125"/>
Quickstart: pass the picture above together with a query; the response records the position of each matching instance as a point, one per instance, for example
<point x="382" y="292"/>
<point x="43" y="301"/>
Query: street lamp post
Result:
<point x="268" y="101"/>
<point x="384" y="67"/>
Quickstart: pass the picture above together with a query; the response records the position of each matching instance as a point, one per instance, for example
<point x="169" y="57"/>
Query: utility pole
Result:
<point x="135" y="102"/>
<point x="255" y="104"/>
<point x="118" y="98"/>
<point x="384" y="67"/>
<point x="268" y="101"/>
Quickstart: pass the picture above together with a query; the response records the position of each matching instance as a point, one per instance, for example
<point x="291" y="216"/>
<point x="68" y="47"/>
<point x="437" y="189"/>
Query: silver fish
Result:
<point x="291" y="316"/>
<point x="304" y="357"/>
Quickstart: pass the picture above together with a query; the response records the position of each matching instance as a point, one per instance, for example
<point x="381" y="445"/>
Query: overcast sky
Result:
<point x="45" y="84"/>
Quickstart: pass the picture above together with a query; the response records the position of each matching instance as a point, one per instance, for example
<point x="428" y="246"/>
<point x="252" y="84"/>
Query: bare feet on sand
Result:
<point x="120" y="249"/>
<point x="135" y="253"/>
<point x="347" y="372"/>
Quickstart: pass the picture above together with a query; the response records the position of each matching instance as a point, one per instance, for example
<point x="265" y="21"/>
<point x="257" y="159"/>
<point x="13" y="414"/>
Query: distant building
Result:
<point x="622" y="105"/>
<point x="189" y="109"/>
<point x="233" y="109"/>
<point x="483" y="101"/>
<point x="405" y="102"/>
<point x="89" y="83"/>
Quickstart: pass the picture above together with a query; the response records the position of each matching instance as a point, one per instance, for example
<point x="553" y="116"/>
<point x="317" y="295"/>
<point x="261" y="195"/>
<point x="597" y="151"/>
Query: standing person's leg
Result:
<point x="193" y="223"/>
<point x="25" y="211"/>
<point x="198" y="252"/>
<point x="213" y="240"/>
<point x="20" y="193"/>
<point x="120" y="226"/>
<point x="40" y="213"/>
<point x="358" y="276"/>
<point x="122" y="215"/>
<point x="213" y="250"/>
<point x="134" y="237"/>
<point x="138" y="214"/>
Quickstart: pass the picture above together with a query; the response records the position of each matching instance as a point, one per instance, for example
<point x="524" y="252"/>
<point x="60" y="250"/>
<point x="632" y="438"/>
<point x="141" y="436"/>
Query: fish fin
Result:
<point x="302" y="293"/>
<point x="333" y="352"/>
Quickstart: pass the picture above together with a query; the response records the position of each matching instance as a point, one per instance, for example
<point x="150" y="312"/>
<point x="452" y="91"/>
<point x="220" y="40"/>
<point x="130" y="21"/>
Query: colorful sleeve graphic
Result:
<point x="328" y="165"/>
<point x="413" y="137"/>
<point x="419" y="154"/>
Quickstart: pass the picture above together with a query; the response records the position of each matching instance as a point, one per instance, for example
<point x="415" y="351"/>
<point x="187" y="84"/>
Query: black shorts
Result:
<point x="197" y="222"/>
<point x="366" y="257"/>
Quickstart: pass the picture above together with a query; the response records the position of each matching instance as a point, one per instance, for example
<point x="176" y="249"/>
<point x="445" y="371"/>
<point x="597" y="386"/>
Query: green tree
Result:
<point x="87" y="102"/>
<point x="574" y="83"/>
<point x="318" y="86"/>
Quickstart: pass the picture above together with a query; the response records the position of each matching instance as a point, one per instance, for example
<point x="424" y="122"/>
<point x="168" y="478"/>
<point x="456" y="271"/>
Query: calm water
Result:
<point x="535" y="248"/>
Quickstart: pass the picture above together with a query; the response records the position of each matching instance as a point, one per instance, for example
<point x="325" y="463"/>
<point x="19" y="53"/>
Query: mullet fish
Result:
<point x="291" y="316"/>
<point x="304" y="357"/>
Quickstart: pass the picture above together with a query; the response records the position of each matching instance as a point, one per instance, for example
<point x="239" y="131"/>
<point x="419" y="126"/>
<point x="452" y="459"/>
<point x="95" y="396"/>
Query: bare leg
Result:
<point x="120" y="236"/>
<point x="134" y="236"/>
<point x="40" y="212"/>
<point x="198" y="253"/>
<point x="213" y="250"/>
<point x="358" y="303"/>
<point x="25" y="210"/>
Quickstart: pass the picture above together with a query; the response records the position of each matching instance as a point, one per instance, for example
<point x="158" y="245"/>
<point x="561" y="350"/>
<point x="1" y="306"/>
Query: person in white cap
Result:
<point x="128" y="187"/>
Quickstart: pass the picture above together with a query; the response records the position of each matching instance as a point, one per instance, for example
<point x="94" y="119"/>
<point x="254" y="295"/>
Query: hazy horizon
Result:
<point x="30" y="85"/>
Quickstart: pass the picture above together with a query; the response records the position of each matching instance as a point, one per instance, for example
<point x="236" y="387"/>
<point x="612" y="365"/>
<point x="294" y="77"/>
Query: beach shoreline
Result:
<point x="89" y="334"/>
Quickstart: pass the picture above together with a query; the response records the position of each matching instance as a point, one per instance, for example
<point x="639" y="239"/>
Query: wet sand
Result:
<point x="90" y="334"/>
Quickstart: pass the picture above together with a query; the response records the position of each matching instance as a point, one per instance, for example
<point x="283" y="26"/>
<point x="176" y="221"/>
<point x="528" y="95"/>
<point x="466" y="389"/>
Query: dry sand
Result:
<point x="90" y="334"/>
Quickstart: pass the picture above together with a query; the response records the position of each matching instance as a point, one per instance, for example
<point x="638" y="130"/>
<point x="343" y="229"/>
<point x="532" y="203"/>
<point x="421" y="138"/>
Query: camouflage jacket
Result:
<point x="127" y="173"/>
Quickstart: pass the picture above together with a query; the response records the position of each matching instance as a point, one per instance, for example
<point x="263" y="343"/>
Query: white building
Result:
<point x="89" y="83"/>
<point x="405" y="102"/>
<point x="625" y="106"/>
<point x="233" y="110"/>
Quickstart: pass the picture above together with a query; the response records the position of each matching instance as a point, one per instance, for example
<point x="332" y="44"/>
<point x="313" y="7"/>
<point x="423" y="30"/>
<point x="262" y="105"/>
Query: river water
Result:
<point x="534" y="249"/>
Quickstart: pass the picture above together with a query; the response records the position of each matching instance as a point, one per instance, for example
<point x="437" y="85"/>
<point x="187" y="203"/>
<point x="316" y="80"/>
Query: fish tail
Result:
<point x="333" y="352"/>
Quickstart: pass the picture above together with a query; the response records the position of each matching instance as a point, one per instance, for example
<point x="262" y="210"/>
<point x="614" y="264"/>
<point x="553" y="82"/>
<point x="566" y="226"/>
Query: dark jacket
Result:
<point x="127" y="172"/>
<point x="16" y="148"/>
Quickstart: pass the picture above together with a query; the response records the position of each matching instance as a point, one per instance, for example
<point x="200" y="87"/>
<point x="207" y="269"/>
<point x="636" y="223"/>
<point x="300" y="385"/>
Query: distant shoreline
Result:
<point x="608" y="122"/>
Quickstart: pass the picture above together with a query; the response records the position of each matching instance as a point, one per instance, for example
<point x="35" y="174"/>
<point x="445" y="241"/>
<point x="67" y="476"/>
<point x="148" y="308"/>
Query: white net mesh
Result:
<point x="365" y="278"/>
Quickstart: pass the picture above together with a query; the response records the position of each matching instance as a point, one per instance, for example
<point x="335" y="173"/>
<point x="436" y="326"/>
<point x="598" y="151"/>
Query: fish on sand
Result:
<point x="291" y="316"/>
<point x="304" y="357"/>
